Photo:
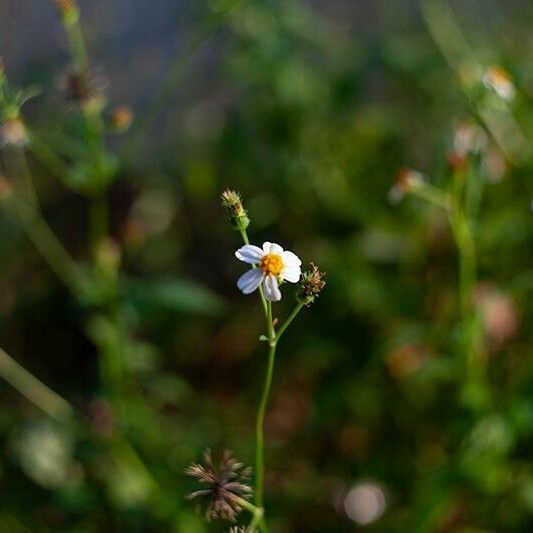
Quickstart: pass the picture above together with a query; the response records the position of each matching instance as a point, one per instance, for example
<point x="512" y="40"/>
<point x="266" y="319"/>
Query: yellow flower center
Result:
<point x="271" y="264"/>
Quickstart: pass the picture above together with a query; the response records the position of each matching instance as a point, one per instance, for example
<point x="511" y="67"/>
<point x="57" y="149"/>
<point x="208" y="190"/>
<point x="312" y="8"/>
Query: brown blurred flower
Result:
<point x="121" y="118"/>
<point x="226" y="485"/>
<point x="406" y="359"/>
<point x="498" y="312"/>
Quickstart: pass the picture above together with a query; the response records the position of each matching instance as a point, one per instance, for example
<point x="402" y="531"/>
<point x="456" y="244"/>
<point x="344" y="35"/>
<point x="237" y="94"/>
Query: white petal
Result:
<point x="249" y="254"/>
<point x="272" y="248"/>
<point x="291" y="274"/>
<point x="250" y="280"/>
<point x="270" y="286"/>
<point x="290" y="259"/>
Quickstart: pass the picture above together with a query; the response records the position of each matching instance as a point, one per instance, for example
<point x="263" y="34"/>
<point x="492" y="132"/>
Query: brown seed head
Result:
<point x="311" y="285"/>
<point x="83" y="87"/>
<point x="225" y="485"/>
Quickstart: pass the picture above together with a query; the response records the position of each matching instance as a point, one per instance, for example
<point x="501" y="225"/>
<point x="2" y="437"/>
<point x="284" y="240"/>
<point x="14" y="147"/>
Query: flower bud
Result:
<point x="68" y="10"/>
<point x="121" y="118"/>
<point x="13" y="133"/>
<point x="231" y="200"/>
<point x="406" y="181"/>
<point x="499" y="80"/>
<point x="310" y="286"/>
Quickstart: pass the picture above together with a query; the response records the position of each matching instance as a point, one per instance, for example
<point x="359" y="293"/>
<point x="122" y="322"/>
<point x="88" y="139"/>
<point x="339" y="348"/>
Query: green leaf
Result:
<point x="179" y="295"/>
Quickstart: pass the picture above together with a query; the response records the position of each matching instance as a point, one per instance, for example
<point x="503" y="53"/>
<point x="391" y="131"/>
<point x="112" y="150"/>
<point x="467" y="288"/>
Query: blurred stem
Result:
<point x="33" y="389"/>
<point x="173" y="78"/>
<point x="476" y="380"/>
<point x="75" y="40"/>
<point x="433" y="196"/>
<point x="290" y="318"/>
<point x="20" y="170"/>
<point x="50" y="160"/>
<point x="48" y="245"/>
<point x="256" y="512"/>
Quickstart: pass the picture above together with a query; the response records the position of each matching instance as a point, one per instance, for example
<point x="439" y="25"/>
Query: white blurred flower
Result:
<point x="273" y="265"/>
<point x="500" y="81"/>
<point x="365" y="502"/>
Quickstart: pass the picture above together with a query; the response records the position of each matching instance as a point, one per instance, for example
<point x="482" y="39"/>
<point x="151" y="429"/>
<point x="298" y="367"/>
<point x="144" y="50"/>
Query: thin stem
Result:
<point x="44" y="239"/>
<point x="76" y="41"/>
<point x="256" y="512"/>
<point x="173" y="78"/>
<point x="433" y="195"/>
<point x="33" y="389"/>
<point x="246" y="240"/>
<point x="259" y="427"/>
<point x="290" y="318"/>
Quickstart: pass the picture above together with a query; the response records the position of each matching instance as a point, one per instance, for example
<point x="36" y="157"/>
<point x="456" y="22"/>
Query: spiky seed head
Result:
<point x="225" y="485"/>
<point x="232" y="201"/>
<point x="311" y="285"/>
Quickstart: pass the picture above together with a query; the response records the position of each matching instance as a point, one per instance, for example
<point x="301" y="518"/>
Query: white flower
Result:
<point x="273" y="265"/>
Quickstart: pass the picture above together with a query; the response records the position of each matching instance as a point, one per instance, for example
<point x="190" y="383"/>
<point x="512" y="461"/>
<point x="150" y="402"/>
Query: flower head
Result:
<point x="271" y="265"/>
<point x="311" y="285"/>
<point x="225" y="485"/>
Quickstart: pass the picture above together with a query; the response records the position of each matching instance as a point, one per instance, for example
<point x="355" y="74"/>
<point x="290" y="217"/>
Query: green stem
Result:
<point x="256" y="512"/>
<point x="75" y="40"/>
<point x="433" y="196"/>
<point x="260" y="422"/>
<point x="44" y="239"/>
<point x="290" y="318"/>
<point x="33" y="389"/>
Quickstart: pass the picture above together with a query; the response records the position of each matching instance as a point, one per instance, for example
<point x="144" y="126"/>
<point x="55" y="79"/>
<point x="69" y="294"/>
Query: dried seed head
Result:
<point x="310" y="286"/>
<point x="121" y="118"/>
<point x="225" y="485"/>
<point x="85" y="88"/>
<point x="231" y="200"/>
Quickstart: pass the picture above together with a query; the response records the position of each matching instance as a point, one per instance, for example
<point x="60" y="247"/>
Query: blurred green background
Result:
<point x="309" y="109"/>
